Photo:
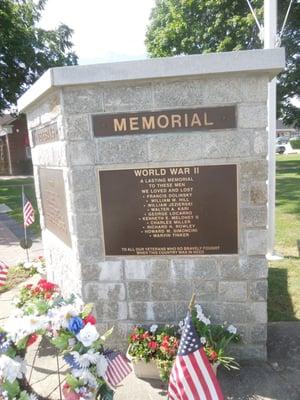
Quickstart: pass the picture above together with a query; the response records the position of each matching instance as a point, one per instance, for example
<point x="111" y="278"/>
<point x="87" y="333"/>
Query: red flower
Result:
<point x="134" y="337"/>
<point x="29" y="286"/>
<point x="69" y="394"/>
<point x="32" y="338"/>
<point x="213" y="356"/>
<point x="153" y="345"/>
<point x="145" y="335"/>
<point x="90" y="318"/>
<point x="48" y="295"/>
<point x="44" y="284"/>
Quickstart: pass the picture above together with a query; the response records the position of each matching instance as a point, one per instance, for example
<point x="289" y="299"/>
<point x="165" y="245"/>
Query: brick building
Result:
<point x="15" y="156"/>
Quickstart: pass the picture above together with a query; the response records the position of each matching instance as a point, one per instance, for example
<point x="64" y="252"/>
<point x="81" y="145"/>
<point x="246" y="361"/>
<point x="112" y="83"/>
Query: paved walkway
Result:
<point x="10" y="235"/>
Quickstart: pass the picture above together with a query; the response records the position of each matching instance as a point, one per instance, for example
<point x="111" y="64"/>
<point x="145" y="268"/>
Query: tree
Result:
<point x="180" y="27"/>
<point x="26" y="50"/>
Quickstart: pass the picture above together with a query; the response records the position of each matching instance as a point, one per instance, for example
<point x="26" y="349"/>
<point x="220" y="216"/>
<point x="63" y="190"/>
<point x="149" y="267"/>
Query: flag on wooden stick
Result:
<point x="192" y="377"/>
<point x="3" y="273"/>
<point x="28" y="211"/>
<point x="118" y="367"/>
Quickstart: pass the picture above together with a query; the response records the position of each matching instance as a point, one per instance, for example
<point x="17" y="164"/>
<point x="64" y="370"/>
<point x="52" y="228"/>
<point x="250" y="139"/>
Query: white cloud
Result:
<point x="104" y="31"/>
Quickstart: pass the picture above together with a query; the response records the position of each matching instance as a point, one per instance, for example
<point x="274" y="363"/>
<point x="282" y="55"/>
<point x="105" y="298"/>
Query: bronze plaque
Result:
<point x="47" y="134"/>
<point x="187" y="210"/>
<point x="54" y="203"/>
<point x="184" y="120"/>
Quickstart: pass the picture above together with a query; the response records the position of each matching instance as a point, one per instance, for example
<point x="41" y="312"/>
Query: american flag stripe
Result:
<point x="28" y="211"/>
<point x="214" y="386"/>
<point x="3" y="273"/>
<point x="118" y="368"/>
<point x="173" y="392"/>
<point x="187" y="381"/>
<point x="192" y="377"/>
<point x="183" y="396"/>
<point x="200" y="385"/>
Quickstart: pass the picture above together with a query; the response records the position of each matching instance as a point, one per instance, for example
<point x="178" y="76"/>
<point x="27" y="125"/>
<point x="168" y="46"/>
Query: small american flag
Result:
<point x="28" y="211"/>
<point x="118" y="367"/>
<point x="3" y="273"/>
<point x="192" y="377"/>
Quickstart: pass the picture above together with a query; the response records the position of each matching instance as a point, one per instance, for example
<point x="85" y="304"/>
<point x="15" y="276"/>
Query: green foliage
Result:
<point x="88" y="308"/>
<point x="26" y="50"/>
<point x="73" y="382"/>
<point x="12" y="389"/>
<point x="194" y="27"/>
<point x="104" y="392"/>
<point x="62" y="341"/>
<point x="295" y="143"/>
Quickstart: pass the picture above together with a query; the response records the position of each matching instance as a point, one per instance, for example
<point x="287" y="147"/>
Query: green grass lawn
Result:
<point x="284" y="276"/>
<point x="11" y="195"/>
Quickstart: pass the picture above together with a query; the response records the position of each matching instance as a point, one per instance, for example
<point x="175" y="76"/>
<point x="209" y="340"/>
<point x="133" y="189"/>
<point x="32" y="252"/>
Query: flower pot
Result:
<point x="143" y="369"/>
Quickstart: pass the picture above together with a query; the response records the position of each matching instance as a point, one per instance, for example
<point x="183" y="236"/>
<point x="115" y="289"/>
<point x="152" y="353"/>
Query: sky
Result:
<point x="104" y="30"/>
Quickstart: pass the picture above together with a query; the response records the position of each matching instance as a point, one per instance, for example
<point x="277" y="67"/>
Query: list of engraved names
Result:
<point x="170" y="210"/>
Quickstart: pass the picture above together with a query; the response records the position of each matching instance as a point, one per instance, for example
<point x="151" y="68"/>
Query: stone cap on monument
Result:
<point x="265" y="60"/>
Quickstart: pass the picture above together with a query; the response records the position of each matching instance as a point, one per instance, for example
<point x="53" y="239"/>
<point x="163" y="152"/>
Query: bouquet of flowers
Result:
<point x="159" y="344"/>
<point x="70" y="326"/>
<point x="215" y="338"/>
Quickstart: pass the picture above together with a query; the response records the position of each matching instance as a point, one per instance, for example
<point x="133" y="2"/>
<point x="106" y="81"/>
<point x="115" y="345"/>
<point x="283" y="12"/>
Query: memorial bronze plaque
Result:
<point x="184" y="120"/>
<point x="46" y="134"/>
<point x="54" y="203"/>
<point x="186" y="210"/>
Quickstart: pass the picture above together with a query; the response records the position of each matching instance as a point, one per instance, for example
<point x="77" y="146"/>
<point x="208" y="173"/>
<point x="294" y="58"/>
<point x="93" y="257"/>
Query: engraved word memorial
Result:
<point x="151" y="182"/>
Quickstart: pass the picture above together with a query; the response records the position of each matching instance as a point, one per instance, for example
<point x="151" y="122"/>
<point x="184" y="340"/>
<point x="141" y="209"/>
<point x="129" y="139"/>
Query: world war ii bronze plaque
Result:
<point x="177" y="120"/>
<point x="187" y="210"/>
<point x="54" y="203"/>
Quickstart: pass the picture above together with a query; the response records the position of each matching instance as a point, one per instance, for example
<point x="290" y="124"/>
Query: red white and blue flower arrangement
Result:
<point x="70" y="326"/>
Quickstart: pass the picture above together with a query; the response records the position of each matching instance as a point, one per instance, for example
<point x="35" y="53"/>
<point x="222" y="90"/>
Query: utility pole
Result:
<point x="270" y="42"/>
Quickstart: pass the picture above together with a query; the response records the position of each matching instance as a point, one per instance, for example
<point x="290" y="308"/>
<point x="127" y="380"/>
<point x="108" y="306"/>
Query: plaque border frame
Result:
<point x="165" y="164"/>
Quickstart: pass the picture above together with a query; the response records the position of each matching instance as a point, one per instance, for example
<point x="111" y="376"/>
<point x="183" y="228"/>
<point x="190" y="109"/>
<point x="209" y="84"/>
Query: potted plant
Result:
<point x="153" y="351"/>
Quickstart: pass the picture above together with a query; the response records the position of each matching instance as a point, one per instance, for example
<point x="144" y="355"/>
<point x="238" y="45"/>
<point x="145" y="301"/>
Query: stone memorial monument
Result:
<point x="151" y="184"/>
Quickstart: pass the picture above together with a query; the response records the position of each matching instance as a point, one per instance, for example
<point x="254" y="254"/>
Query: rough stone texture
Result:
<point x="127" y="291"/>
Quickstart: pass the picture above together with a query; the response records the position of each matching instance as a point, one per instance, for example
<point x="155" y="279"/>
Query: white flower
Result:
<point x="28" y="265"/>
<point x="84" y="360"/>
<point x="88" y="335"/>
<point x="20" y="326"/>
<point x="86" y="376"/>
<point x="153" y="328"/>
<point x="206" y="321"/>
<point x="232" y="329"/>
<point x="101" y="365"/>
<point x="181" y="326"/>
<point x="72" y="342"/>
<point x="203" y="340"/>
<point x="10" y="369"/>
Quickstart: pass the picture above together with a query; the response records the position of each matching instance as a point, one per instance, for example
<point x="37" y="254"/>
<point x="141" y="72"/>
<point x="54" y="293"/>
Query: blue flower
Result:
<point x="71" y="361"/>
<point x="75" y="325"/>
<point x="4" y="342"/>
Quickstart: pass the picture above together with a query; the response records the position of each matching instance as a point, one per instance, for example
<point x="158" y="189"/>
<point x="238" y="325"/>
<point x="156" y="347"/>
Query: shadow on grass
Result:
<point x="280" y="306"/>
<point x="288" y="194"/>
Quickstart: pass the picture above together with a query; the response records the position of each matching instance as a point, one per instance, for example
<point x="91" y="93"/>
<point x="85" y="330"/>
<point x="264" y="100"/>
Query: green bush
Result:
<point x="295" y="143"/>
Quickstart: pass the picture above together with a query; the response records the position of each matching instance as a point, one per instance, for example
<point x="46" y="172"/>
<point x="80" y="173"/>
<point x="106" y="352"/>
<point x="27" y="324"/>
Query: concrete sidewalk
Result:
<point x="10" y="235"/>
<point x="277" y="379"/>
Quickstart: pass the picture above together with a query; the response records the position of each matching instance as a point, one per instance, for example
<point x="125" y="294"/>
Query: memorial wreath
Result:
<point x="70" y="326"/>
